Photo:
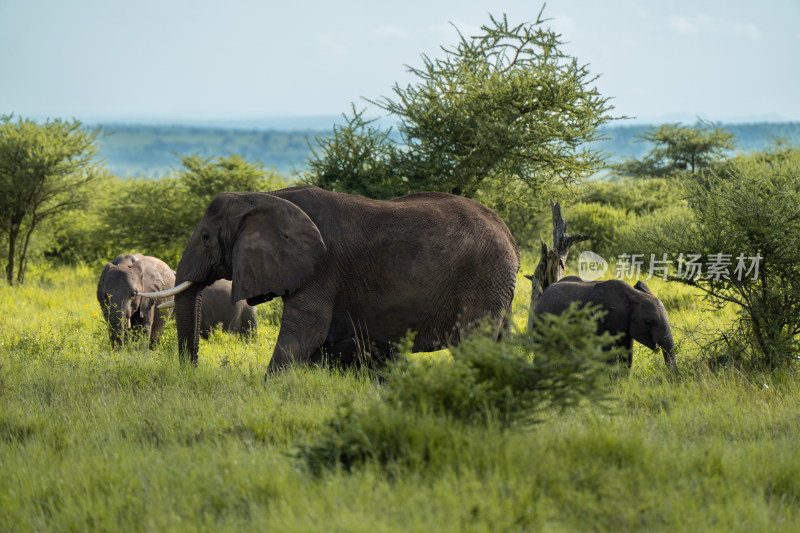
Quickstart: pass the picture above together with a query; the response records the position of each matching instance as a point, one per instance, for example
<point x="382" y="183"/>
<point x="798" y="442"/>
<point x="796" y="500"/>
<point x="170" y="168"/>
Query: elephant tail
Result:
<point x="505" y="328"/>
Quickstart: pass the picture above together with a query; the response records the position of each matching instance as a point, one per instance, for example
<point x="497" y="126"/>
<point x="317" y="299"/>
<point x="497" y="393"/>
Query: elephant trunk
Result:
<point x="118" y="328"/>
<point x="187" y="320"/>
<point x="667" y="348"/>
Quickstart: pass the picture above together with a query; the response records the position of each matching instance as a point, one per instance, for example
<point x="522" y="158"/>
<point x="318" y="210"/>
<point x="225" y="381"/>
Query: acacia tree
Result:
<point x="359" y="158"/>
<point x="679" y="150"/>
<point x="44" y="171"/>
<point x="505" y="107"/>
<point x="739" y="245"/>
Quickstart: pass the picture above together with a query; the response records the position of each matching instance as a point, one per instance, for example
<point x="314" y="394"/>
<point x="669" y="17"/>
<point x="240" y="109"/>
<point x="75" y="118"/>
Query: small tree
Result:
<point x="679" y="150"/>
<point x="507" y="105"/>
<point x="744" y="228"/>
<point x="206" y="177"/>
<point x="44" y="171"/>
<point x="359" y="158"/>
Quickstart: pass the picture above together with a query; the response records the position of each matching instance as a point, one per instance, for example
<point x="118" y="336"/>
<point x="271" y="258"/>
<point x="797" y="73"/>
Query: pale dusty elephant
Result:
<point x="125" y="311"/>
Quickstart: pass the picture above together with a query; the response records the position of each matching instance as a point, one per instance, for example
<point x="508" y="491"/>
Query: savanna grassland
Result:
<point x="129" y="440"/>
<point x="522" y="435"/>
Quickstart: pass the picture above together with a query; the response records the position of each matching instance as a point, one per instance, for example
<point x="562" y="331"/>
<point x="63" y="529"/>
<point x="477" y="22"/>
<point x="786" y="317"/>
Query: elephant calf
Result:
<point x="118" y="294"/>
<point x="217" y="308"/>
<point x="633" y="311"/>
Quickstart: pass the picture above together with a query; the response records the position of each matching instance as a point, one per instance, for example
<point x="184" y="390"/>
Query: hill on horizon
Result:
<point x="147" y="151"/>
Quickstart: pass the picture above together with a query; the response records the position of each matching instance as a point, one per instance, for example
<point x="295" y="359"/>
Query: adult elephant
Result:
<point x="632" y="311"/>
<point x="118" y="290"/>
<point x="218" y="310"/>
<point x="355" y="274"/>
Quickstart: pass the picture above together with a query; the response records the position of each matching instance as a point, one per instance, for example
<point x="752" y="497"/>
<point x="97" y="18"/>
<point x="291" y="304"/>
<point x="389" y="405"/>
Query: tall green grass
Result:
<point x="94" y="439"/>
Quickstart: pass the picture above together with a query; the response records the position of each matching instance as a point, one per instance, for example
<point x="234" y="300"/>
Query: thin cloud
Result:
<point x="564" y="24"/>
<point x="681" y="24"/>
<point x="331" y="44"/>
<point x="390" y="33"/>
<point x="748" y="30"/>
<point x="691" y="26"/>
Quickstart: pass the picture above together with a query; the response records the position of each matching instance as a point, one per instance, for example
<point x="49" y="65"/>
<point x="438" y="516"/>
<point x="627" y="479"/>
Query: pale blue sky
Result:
<point x="184" y="60"/>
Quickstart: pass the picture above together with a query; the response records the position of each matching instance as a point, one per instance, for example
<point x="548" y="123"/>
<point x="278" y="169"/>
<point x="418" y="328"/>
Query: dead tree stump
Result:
<point x="552" y="262"/>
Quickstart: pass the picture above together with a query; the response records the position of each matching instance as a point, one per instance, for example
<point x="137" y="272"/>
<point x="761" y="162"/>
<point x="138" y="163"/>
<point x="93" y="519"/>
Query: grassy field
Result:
<point x="129" y="441"/>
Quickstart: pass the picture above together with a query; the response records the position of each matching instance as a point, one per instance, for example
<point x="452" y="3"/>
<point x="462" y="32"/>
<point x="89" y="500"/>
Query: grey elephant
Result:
<point x="125" y="311"/>
<point x="218" y="309"/>
<point x="354" y="274"/>
<point x="632" y="311"/>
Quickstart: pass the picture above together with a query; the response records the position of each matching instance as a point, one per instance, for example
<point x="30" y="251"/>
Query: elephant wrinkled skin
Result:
<point x="632" y="311"/>
<point x="124" y="310"/>
<point x="355" y="274"/>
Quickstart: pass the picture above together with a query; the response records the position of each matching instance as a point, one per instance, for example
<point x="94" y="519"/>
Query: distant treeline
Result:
<point x="141" y="150"/>
<point x="147" y="151"/>
<point x="623" y="141"/>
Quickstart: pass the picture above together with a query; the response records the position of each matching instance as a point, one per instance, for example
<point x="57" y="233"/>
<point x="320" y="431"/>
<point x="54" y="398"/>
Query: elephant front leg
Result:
<point x="629" y="350"/>
<point x="157" y="328"/>
<point x="304" y="327"/>
<point x="626" y="343"/>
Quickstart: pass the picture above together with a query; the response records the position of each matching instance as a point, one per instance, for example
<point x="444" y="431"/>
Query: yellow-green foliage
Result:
<point x="92" y="439"/>
<point x="499" y="385"/>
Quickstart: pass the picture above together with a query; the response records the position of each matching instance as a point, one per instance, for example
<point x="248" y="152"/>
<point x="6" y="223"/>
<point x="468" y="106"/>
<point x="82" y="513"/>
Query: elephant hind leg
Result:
<point x="627" y="344"/>
<point x="344" y="352"/>
<point x="157" y="328"/>
<point x="629" y="350"/>
<point x="352" y="352"/>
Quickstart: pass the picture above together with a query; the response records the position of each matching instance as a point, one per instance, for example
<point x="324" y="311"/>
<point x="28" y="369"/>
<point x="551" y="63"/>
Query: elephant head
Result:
<point x="118" y="294"/>
<point x="265" y="245"/>
<point x="649" y="324"/>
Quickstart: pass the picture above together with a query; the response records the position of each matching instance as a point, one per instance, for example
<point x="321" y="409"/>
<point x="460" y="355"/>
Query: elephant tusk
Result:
<point x="168" y="292"/>
<point x="169" y="304"/>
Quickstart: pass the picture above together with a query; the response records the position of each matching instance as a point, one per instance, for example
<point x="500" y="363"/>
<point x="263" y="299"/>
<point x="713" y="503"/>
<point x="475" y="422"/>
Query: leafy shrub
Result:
<point x="613" y="211"/>
<point x="749" y="209"/>
<point x="554" y="365"/>
<point x="638" y="196"/>
<point x="605" y="223"/>
<point x="384" y="434"/>
<point x="487" y="383"/>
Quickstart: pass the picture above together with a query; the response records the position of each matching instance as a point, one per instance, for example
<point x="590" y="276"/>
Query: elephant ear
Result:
<point x="642" y="286"/>
<point x="152" y="278"/>
<point x="100" y="284"/>
<point x="276" y="249"/>
<point x="160" y="280"/>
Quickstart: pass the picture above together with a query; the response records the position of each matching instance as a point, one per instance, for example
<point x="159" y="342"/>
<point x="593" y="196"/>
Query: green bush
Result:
<point x="613" y="211"/>
<point x="750" y="208"/>
<point x="383" y="434"/>
<point x="493" y="384"/>
<point x="638" y="196"/>
<point x="608" y="226"/>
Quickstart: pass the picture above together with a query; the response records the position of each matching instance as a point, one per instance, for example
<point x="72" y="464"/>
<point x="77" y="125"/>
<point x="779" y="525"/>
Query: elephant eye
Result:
<point x="649" y="323"/>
